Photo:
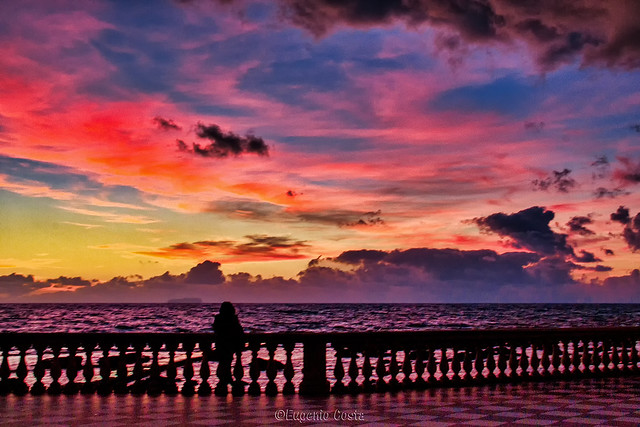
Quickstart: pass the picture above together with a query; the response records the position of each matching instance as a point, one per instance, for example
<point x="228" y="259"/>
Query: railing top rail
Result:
<point x="440" y="335"/>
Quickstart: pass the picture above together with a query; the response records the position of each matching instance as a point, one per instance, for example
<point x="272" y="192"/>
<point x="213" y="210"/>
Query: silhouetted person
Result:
<point x="229" y="337"/>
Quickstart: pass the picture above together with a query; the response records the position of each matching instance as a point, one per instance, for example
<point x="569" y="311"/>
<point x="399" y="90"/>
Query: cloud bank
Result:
<point x="558" y="32"/>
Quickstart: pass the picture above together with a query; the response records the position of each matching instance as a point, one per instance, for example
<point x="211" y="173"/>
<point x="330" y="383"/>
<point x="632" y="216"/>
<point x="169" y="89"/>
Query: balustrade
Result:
<point x="308" y="363"/>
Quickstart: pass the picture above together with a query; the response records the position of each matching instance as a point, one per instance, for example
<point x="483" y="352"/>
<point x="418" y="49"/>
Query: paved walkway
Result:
<point x="613" y="401"/>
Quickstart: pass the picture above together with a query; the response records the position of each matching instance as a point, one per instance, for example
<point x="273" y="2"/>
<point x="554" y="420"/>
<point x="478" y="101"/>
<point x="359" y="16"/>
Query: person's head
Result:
<point x="227" y="309"/>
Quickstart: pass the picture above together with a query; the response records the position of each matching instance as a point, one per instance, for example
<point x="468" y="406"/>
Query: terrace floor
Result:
<point x="613" y="401"/>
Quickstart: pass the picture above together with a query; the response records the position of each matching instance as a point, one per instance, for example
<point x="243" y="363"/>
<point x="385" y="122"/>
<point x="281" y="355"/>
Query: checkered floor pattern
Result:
<point x="614" y="401"/>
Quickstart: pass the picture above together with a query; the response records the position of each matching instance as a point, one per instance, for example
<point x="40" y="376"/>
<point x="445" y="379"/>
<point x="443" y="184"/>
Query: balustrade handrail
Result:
<point x="157" y="362"/>
<point x="300" y="336"/>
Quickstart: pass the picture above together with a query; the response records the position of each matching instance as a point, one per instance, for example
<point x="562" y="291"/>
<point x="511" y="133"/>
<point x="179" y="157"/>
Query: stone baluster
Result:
<point x="513" y="363"/>
<point x="272" y="371"/>
<point x="381" y="371"/>
<point x="534" y="361"/>
<point x="20" y="387"/>
<point x="353" y="373"/>
<point x="237" y="387"/>
<point x="444" y="365"/>
<point x="407" y="369"/>
<point x="189" y="387"/>
<point x="545" y="360"/>
<point x="575" y="358"/>
<point x="523" y="362"/>
<point x="615" y="358"/>
<point x="72" y="371"/>
<point x="289" y="372"/>
<point x="154" y="387"/>
<point x="205" y="370"/>
<point x="624" y="358"/>
<point x="367" y="372"/>
<point x="606" y="360"/>
<point x="456" y="366"/>
<point x="104" y="388"/>
<point x="491" y="364"/>
<point x="432" y="367"/>
<point x="139" y="385"/>
<point x="338" y="373"/>
<point x="555" y="359"/>
<point x="467" y="365"/>
<point x="55" y="371"/>
<point x="586" y="358"/>
<point x="479" y="365"/>
<point x="171" y="388"/>
<point x="596" y="358"/>
<point x="394" y="370"/>
<point x="420" y="367"/>
<point x="38" y="372"/>
<point x="5" y="371"/>
<point x="87" y="369"/>
<point x="565" y="360"/>
<point x="122" y="372"/>
<point x="502" y="363"/>
<point x="254" y="369"/>
<point x="634" y="358"/>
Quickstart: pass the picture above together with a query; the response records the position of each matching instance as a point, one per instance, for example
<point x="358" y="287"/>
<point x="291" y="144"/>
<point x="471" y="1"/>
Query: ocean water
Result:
<point x="309" y="317"/>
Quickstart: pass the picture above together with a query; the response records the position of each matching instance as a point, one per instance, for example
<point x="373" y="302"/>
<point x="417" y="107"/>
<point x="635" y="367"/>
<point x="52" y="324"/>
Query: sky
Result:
<point x="320" y="151"/>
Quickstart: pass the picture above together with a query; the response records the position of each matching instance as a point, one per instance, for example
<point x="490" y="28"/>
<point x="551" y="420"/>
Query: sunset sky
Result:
<point x="320" y="151"/>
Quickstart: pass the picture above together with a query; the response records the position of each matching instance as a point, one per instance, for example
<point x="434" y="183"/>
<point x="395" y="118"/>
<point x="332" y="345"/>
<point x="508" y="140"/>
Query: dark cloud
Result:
<point x="630" y="172"/>
<point x="602" y="167"/>
<point x="368" y="219"/>
<point x="224" y="144"/>
<point x="620" y="289"/>
<point x="586" y="256"/>
<point x="455" y="264"/>
<point x="536" y="127"/>
<point x="258" y="246"/>
<point x="631" y="233"/>
<point x="602" y="192"/>
<point x="558" y="180"/>
<point x="359" y="256"/>
<point x="600" y="161"/>
<point x="166" y="124"/>
<point x="473" y="19"/>
<point x="636" y="128"/>
<point x="552" y="270"/>
<point x="577" y="225"/>
<point x="207" y="272"/>
<point x="343" y="218"/>
<point x="261" y="243"/>
<point x="608" y="251"/>
<point x="621" y="215"/>
<point x="529" y="229"/>
<point x="247" y="209"/>
<point x="418" y="274"/>
<point x="264" y="211"/>
<point x="594" y="32"/>
<point x="69" y="281"/>
<point x="566" y="49"/>
<point x="16" y="278"/>
<point x="13" y="284"/>
<point x="448" y="265"/>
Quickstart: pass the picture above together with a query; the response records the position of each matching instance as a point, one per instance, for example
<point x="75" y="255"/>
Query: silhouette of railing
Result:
<point x="309" y="363"/>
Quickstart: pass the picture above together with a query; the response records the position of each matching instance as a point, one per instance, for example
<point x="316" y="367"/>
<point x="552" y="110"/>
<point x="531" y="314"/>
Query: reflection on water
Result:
<point x="309" y="317"/>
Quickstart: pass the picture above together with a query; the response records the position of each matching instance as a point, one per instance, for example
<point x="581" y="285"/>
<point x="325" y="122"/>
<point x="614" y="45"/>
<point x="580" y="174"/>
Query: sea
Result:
<point x="198" y="317"/>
